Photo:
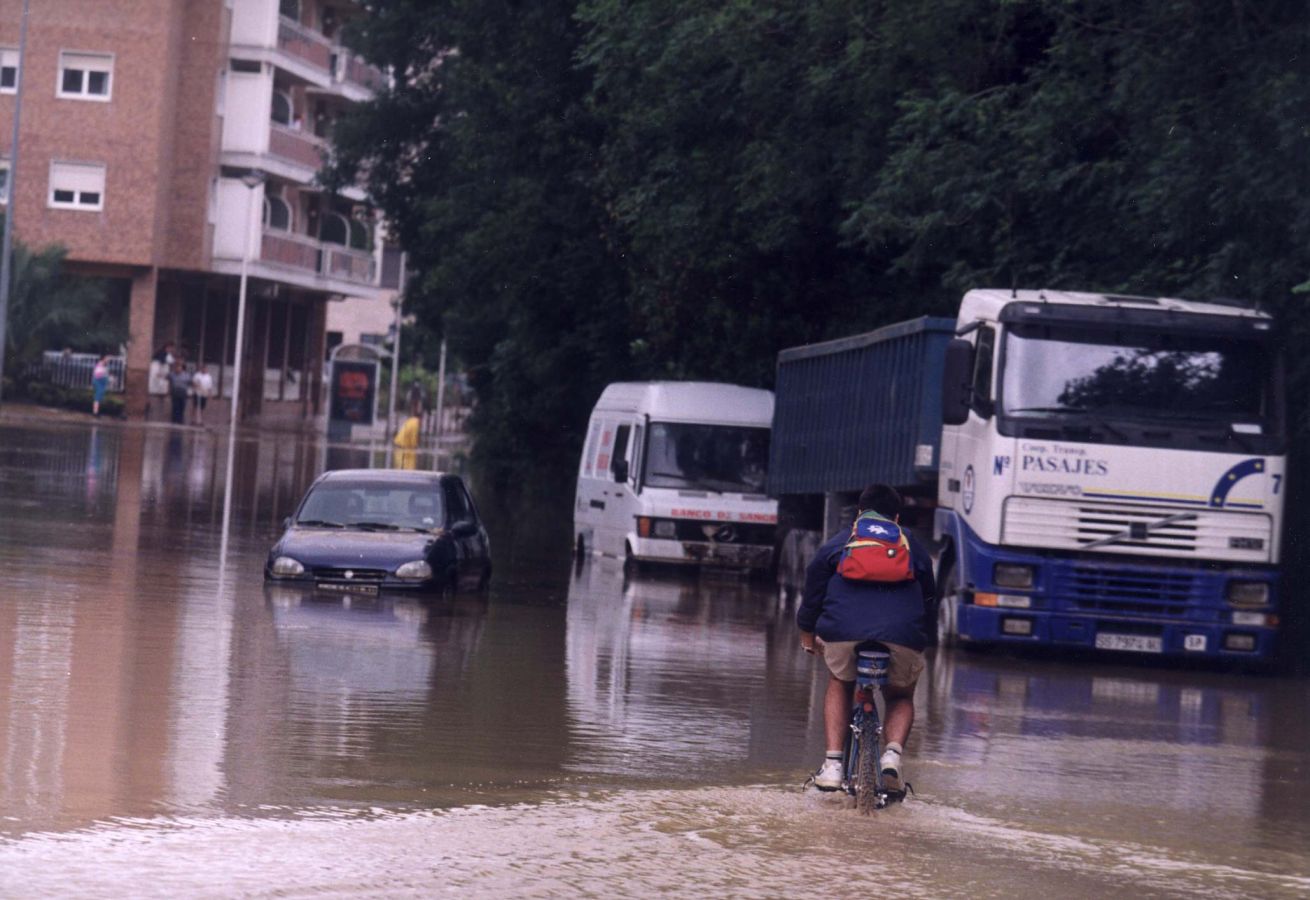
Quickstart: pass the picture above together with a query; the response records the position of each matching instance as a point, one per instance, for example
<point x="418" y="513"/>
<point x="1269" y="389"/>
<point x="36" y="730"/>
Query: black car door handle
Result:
<point x="597" y="504"/>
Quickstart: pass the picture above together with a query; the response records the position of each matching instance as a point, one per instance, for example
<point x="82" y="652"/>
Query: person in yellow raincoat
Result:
<point x="406" y="456"/>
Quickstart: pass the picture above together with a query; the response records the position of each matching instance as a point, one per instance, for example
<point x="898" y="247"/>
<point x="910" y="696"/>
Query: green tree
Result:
<point x="481" y="157"/>
<point x="50" y="309"/>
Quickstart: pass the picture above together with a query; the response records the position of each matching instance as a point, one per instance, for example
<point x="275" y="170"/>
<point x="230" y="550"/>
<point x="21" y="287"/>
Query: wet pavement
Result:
<point x="169" y="726"/>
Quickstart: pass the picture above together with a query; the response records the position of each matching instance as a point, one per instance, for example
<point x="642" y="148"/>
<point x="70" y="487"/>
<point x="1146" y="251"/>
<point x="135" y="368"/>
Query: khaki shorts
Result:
<point x="903" y="672"/>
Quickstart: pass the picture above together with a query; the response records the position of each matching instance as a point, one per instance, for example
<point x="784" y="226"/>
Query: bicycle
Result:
<point x="861" y="768"/>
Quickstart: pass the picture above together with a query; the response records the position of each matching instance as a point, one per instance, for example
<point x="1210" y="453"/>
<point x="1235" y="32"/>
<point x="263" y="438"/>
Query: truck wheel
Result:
<point x="948" y="609"/>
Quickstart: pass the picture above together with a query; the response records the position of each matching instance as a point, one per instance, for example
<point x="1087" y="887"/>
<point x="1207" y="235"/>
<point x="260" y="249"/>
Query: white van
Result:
<point x="675" y="472"/>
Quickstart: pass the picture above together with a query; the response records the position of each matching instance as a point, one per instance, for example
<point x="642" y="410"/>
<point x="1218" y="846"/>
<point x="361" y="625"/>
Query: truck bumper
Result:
<point x="1110" y="603"/>
<point x="707" y="553"/>
<point x="1145" y="636"/>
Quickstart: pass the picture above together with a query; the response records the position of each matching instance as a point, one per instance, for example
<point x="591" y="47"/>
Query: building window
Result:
<point x="281" y="108"/>
<point x="277" y="213"/>
<point x="77" y="186"/>
<point x="85" y="76"/>
<point x="335" y="229"/>
<point x="8" y="70"/>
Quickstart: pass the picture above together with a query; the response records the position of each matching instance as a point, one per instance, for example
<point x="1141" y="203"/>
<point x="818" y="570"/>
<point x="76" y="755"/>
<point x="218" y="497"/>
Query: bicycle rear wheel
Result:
<point x="867" y="777"/>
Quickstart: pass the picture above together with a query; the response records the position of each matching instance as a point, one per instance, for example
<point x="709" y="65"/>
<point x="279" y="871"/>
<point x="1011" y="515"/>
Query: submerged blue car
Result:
<point x="365" y="530"/>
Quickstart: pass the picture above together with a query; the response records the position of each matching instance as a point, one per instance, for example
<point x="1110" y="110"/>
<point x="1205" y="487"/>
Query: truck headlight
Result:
<point x="1011" y="575"/>
<point x="286" y="567"/>
<point x="1248" y="593"/>
<point x="418" y="570"/>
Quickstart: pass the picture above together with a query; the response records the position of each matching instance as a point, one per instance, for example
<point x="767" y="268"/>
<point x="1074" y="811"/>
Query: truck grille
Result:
<point x="1074" y="525"/>
<point x="725" y="532"/>
<point x="1146" y="592"/>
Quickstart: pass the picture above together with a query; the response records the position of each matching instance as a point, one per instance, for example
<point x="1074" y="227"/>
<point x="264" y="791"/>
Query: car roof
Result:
<point x="384" y="476"/>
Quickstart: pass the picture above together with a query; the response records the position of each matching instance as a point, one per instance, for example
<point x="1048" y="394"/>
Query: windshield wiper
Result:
<point x="1096" y="418"/>
<point x="319" y="523"/>
<point x="375" y="526"/>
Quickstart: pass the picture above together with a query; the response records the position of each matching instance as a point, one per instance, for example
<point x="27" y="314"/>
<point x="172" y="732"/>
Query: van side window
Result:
<point x="589" y="454"/>
<point x="982" y="371"/>
<point x="635" y="473"/>
<point x="621" y="445"/>
<point x="603" y="450"/>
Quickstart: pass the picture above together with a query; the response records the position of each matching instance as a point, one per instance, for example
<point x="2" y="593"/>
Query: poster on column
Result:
<point x="354" y="391"/>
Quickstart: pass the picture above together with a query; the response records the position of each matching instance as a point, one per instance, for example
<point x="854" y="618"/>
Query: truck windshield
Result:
<point x="724" y="458"/>
<point x="1159" y="377"/>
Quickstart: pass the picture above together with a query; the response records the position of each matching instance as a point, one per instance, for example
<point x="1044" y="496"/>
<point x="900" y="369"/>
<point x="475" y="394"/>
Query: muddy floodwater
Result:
<point x="170" y="727"/>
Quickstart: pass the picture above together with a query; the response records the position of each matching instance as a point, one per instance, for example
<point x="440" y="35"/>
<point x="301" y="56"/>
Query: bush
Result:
<point x="80" y="399"/>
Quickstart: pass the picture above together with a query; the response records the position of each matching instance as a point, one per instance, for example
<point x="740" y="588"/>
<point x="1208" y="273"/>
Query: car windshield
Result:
<point x="1159" y="377"/>
<point x="707" y="457"/>
<point x="379" y="506"/>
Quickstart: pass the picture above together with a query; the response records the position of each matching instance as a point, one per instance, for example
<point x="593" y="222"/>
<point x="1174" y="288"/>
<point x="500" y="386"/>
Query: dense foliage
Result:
<point x="624" y="188"/>
<point x="50" y="310"/>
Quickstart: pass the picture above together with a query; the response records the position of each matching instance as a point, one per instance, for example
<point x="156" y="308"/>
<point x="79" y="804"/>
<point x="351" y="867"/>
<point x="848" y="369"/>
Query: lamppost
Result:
<point x="252" y="180"/>
<point x="6" y="244"/>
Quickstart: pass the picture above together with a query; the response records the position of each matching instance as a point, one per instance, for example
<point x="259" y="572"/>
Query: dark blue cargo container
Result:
<point x="860" y="409"/>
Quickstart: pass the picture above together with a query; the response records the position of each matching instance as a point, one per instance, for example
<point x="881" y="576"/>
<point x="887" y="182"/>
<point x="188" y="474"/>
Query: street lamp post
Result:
<point x="252" y="180"/>
<point x="7" y="242"/>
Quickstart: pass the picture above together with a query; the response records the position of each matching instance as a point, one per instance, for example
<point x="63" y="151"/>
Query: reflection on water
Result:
<point x="156" y="720"/>
<point x="674" y="675"/>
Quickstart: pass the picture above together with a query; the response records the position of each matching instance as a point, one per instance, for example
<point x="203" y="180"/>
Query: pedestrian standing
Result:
<point x="407" y="440"/>
<point x="179" y="385"/>
<point x="99" y="383"/>
<point x="202" y="388"/>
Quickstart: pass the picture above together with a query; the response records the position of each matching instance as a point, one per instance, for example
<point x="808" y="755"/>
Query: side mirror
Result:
<point x="957" y="382"/>
<point x="286" y="523"/>
<point x="464" y="528"/>
<point x="620" y="470"/>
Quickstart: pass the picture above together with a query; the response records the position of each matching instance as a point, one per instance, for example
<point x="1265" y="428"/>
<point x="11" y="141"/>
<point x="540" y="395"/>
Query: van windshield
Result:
<point x="723" y="458"/>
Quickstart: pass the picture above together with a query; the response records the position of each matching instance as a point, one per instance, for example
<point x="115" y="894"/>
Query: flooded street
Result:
<point x="169" y="726"/>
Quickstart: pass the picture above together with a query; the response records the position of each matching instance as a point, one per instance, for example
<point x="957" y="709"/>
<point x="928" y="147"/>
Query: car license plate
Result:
<point x="1136" y="643"/>
<point x="337" y="587"/>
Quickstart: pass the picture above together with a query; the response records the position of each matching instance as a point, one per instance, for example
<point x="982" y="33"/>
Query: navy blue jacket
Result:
<point x="837" y="609"/>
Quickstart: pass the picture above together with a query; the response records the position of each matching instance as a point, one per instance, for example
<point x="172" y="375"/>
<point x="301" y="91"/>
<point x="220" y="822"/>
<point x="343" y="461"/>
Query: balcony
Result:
<point x="330" y="65"/>
<point x="308" y="256"/>
<point x="304" y="44"/>
<point x="296" y="147"/>
<point x="354" y="70"/>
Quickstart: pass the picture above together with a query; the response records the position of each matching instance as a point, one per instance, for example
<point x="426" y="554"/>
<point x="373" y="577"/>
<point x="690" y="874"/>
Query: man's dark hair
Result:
<point x="883" y="499"/>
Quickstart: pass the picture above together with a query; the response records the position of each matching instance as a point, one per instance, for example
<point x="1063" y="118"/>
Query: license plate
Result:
<point x="337" y="587"/>
<point x="1136" y="643"/>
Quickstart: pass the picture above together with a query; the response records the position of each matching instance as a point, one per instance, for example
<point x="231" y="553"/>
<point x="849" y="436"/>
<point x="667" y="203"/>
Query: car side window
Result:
<point x="457" y="503"/>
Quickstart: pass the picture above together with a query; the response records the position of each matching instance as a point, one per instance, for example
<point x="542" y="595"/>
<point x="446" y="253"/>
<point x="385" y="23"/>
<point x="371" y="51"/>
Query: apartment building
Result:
<point x="168" y="143"/>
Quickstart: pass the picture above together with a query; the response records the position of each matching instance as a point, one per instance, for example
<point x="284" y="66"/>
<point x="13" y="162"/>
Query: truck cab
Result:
<point x="1111" y="474"/>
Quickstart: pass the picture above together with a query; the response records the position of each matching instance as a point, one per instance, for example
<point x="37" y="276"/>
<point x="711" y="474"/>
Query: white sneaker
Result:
<point x="891" y="770"/>
<point x="828" y="778"/>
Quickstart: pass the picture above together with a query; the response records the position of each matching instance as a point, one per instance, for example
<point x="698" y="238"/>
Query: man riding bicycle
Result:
<point x="839" y="611"/>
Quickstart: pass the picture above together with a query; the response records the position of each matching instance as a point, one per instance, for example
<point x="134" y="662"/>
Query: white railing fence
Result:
<point x="74" y="370"/>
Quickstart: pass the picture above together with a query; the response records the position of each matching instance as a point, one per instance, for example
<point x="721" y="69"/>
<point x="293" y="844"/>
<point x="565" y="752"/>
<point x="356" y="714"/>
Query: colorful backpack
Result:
<point x="878" y="550"/>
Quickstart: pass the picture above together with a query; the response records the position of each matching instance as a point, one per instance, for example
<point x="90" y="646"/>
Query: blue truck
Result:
<point x="1093" y="470"/>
